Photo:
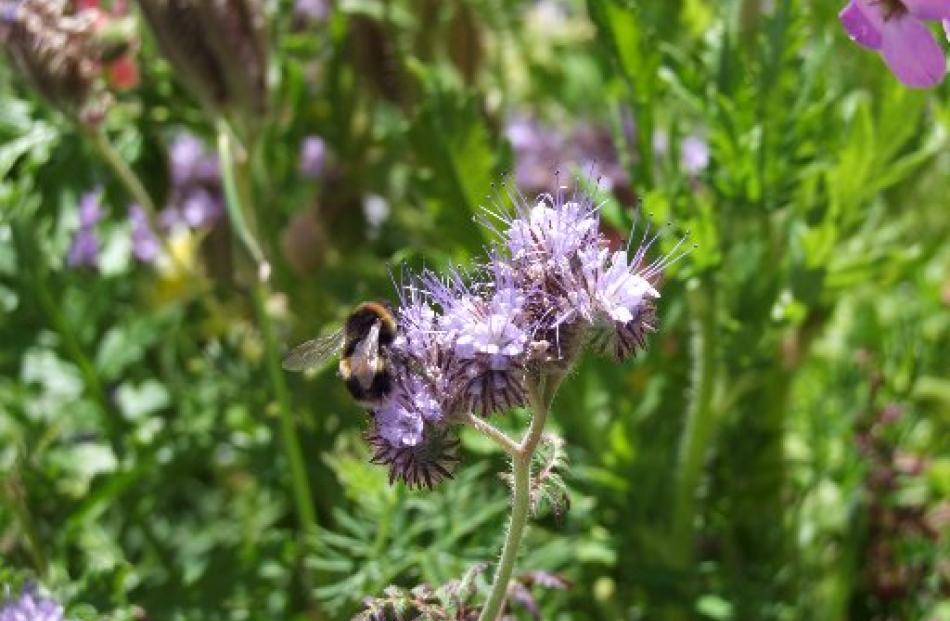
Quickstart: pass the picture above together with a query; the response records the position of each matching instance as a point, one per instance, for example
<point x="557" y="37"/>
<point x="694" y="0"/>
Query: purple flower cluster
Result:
<point x="476" y="344"/>
<point x="312" y="11"/>
<point x="145" y="243"/>
<point x="195" y="200"/>
<point x="31" y="606"/>
<point x="540" y="149"/>
<point x="84" y="249"/>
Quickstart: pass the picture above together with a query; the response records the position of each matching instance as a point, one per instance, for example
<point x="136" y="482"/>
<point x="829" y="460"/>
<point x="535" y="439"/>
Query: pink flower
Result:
<point x="895" y="28"/>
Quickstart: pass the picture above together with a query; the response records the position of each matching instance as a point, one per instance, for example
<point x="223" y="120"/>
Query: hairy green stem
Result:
<point x="540" y="395"/>
<point x="521" y="473"/>
<point x="235" y="176"/>
<point x="700" y="420"/>
<point x="494" y="433"/>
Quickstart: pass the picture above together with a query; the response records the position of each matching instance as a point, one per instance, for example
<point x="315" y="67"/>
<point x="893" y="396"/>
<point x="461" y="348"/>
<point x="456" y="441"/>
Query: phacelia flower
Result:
<point x="489" y="339"/>
<point x="540" y="149"/>
<point x="189" y="161"/>
<point x="474" y="343"/>
<point x="195" y="200"/>
<point x="423" y="453"/>
<point x="896" y="29"/>
<point x="145" y="243"/>
<point x="31" y="606"/>
<point x="313" y="157"/>
<point x="84" y="248"/>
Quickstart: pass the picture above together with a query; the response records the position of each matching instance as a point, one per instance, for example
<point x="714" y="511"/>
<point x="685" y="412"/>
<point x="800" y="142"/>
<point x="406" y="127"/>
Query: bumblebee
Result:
<point x="364" y="341"/>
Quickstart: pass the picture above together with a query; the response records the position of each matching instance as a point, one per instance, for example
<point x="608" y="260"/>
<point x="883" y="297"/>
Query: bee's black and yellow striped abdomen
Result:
<point x="358" y="326"/>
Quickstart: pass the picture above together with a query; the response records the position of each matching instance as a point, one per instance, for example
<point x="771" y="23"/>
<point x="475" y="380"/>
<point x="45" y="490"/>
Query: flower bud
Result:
<point x="52" y="47"/>
<point x="218" y="48"/>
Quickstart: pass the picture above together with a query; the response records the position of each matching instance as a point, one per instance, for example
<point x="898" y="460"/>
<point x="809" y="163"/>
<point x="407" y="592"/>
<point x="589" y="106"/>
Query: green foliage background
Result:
<point x="719" y="476"/>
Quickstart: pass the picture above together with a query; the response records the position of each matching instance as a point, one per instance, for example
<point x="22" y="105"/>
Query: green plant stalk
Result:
<point x="300" y="484"/>
<point x="235" y="178"/>
<point x="93" y="384"/>
<point x="133" y="185"/>
<point x="239" y="201"/>
<point x="700" y="422"/>
<point x="540" y="395"/>
<point x="17" y="501"/>
<point x="494" y="433"/>
<point x="125" y="174"/>
<point x="521" y="473"/>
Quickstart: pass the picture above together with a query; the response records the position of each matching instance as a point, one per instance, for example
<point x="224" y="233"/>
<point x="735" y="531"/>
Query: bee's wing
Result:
<point x="313" y="353"/>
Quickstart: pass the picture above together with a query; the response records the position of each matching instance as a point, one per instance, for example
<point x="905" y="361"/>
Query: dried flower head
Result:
<point x="218" y="48"/>
<point x="55" y="49"/>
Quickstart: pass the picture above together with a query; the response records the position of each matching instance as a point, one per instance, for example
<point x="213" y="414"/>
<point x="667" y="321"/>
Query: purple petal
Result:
<point x="313" y="156"/>
<point x="928" y="9"/>
<point x="90" y="211"/>
<point x="946" y="28"/>
<point x="911" y="52"/>
<point x="84" y="250"/>
<point x="312" y="10"/>
<point x="861" y="25"/>
<point x="695" y="156"/>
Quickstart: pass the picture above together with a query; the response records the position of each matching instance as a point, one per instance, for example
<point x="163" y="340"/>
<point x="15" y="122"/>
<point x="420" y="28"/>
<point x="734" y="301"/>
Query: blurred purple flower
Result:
<point x="31" y="606"/>
<point x="170" y="218"/>
<point x="313" y="157"/>
<point x="84" y="249"/>
<point x="895" y="29"/>
<point x="190" y="161"/>
<point x="694" y="155"/>
<point x="145" y="243"/>
<point x="90" y="209"/>
<point x="200" y="209"/>
<point x="195" y="198"/>
<point x="540" y="149"/>
<point x="313" y="11"/>
<point x="537" y="151"/>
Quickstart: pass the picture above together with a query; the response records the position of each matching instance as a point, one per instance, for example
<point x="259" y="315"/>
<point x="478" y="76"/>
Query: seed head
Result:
<point x="219" y="49"/>
<point x="54" y="48"/>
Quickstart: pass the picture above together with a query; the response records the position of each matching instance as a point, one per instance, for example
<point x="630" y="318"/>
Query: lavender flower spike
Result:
<point x="31" y="606"/>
